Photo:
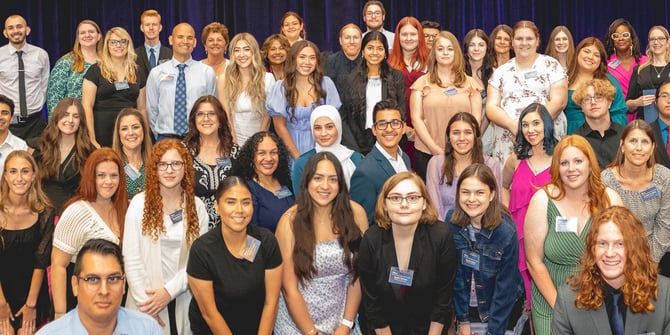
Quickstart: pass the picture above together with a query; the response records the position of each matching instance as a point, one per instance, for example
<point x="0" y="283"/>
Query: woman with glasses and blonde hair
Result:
<point x="623" y="51"/>
<point x="68" y="74"/>
<point x="161" y="225"/>
<point x="649" y="76"/>
<point x="407" y="261"/>
<point x="243" y="90"/>
<point x="112" y="84"/>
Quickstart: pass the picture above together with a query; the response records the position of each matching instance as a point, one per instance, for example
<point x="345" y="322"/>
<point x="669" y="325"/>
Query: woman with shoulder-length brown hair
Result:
<point x="215" y="39"/>
<point x="133" y="144"/>
<point x="617" y="276"/>
<point x="407" y="226"/>
<point x="161" y="224"/>
<point x="96" y="211"/>
<point x="292" y="27"/>
<point x="273" y="52"/>
<point x="558" y="219"/>
<point x="62" y="150"/>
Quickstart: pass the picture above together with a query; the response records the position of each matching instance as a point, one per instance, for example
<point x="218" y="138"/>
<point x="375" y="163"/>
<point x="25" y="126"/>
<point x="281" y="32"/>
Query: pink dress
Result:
<point x="622" y="75"/>
<point x="524" y="185"/>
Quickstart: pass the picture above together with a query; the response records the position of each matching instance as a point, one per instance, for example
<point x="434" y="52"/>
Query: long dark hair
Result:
<point x="634" y="39"/>
<point x="244" y="167"/>
<point x="476" y="155"/>
<point x="290" y="76"/>
<point x="192" y="138"/>
<point x="486" y="70"/>
<point x="522" y="147"/>
<point x="496" y="210"/>
<point x="344" y="225"/>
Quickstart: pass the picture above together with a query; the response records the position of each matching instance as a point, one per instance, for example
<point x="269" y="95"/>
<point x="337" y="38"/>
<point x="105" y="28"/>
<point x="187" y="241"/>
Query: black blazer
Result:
<point x="143" y="61"/>
<point x="429" y="298"/>
<point x="661" y="153"/>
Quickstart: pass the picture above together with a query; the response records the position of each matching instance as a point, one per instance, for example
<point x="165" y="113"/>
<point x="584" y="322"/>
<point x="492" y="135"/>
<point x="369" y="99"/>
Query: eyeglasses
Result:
<point x="116" y="43"/>
<point x="657" y="39"/>
<point x="593" y="99"/>
<point x="395" y="124"/>
<point x="664" y="96"/>
<point x="410" y="198"/>
<point x="201" y="115"/>
<point x="176" y="166"/>
<point x="375" y="13"/>
<point x="430" y="36"/>
<point x="94" y="282"/>
<point x="617" y="36"/>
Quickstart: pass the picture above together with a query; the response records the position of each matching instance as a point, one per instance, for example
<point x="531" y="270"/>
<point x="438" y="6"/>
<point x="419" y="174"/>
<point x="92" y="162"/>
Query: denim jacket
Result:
<point x="498" y="281"/>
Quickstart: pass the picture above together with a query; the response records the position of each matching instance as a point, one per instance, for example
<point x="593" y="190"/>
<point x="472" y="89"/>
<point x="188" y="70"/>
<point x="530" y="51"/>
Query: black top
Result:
<point x="207" y="179"/>
<point x="239" y="285"/>
<point x="408" y="310"/>
<point x="604" y="146"/>
<point x="651" y="77"/>
<point x="338" y="65"/>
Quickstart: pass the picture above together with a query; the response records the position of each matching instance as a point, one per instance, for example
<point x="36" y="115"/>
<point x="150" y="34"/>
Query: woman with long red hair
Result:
<point x="409" y="54"/>
<point x="161" y="224"/>
<point x="96" y="211"/>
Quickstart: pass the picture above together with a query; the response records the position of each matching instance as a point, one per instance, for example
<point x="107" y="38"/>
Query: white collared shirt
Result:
<point x="397" y="162"/>
<point x="11" y="143"/>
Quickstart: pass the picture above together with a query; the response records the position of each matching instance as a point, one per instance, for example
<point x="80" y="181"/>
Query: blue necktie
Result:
<point x="616" y="320"/>
<point x="152" y="58"/>
<point x="180" y="124"/>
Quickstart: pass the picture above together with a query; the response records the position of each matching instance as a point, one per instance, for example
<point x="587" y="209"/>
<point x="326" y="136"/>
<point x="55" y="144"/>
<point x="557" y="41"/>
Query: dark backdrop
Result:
<point x="53" y="21"/>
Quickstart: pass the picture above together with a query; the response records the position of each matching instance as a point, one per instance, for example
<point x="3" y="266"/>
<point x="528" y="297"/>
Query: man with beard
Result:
<point x="343" y="62"/>
<point x="374" y="15"/>
<point x="24" y="75"/>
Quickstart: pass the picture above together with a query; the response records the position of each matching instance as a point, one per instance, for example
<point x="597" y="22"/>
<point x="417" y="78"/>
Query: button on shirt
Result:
<point x="161" y="86"/>
<point x="36" y="62"/>
<point x="127" y="322"/>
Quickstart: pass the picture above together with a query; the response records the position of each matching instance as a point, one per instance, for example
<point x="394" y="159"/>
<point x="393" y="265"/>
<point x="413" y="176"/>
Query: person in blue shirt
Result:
<point x="99" y="283"/>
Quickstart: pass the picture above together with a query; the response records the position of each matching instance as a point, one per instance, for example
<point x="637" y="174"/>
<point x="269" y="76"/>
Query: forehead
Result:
<point x="503" y="34"/>
<point x="473" y="182"/>
<point x="430" y="31"/>
<point x="351" y="31"/>
<point x="408" y="29"/>
<point x="325" y="167"/>
<point x="524" y="32"/>
<point x="267" y="144"/>
<point x="321" y="120"/>
<point x="477" y="40"/>
<point x="151" y="19"/>
<point x="656" y="32"/>
<point x="4" y="106"/>
<point x="86" y="26"/>
<point x="375" y="43"/>
<point x="622" y="28"/>
<point x="291" y="19"/>
<point x="571" y="152"/>
<point x="561" y="35"/>
<point x="99" y="264"/>
<point x="18" y="161"/>
<point x="406" y="186"/>
<point x="236" y="192"/>
<point x="183" y="29"/>
<point x="461" y="125"/>
<point x="664" y="88"/>
<point x="532" y="116"/>
<point x="241" y="43"/>
<point x="129" y="119"/>
<point x="14" y="21"/>
<point x="637" y="133"/>
<point x="388" y="114"/>
<point x="443" y="41"/>
<point x="374" y="8"/>
<point x="591" y="47"/>
<point x="307" y="51"/>
<point x="171" y="154"/>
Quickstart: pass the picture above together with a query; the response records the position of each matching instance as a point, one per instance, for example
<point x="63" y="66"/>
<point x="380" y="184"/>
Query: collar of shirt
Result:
<point x="175" y="62"/>
<point x="14" y="142"/>
<point x="157" y="48"/>
<point x="397" y="162"/>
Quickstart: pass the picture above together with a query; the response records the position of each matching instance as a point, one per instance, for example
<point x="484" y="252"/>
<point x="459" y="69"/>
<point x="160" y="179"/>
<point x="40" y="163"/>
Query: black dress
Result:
<point x="21" y="252"/>
<point x="62" y="187"/>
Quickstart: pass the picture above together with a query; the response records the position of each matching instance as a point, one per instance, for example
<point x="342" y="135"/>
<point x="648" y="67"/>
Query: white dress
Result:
<point x="246" y="121"/>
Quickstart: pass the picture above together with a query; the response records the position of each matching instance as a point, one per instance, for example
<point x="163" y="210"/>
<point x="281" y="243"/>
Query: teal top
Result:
<point x="575" y="116"/>
<point x="64" y="82"/>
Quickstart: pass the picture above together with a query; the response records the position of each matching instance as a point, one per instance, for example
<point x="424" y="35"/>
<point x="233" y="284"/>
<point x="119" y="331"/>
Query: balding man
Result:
<point x="173" y="87"/>
<point x="24" y="75"/>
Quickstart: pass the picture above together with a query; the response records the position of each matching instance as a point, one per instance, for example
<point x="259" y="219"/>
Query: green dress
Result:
<point x="562" y="251"/>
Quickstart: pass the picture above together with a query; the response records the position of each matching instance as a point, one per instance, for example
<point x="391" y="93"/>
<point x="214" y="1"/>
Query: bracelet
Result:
<point x="347" y="323"/>
<point x="31" y="307"/>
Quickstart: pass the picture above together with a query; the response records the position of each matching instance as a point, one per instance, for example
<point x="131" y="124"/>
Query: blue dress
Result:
<point x="268" y="207"/>
<point x="297" y="121"/>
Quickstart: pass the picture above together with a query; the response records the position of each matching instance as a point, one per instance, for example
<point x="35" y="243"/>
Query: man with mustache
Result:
<point x="24" y="75"/>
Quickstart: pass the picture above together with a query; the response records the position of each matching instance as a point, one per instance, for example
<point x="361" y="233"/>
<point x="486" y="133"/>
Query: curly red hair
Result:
<point x="640" y="270"/>
<point x="152" y="219"/>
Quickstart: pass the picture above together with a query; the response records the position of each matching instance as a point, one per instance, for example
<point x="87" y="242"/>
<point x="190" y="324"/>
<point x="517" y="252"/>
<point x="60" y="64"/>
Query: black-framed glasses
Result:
<point x="93" y="282"/>
<point x="121" y="42"/>
<point x="176" y="165"/>
<point x="410" y="198"/>
<point x="429" y="36"/>
<point x="593" y="99"/>
<point x="395" y="124"/>
<point x="617" y="36"/>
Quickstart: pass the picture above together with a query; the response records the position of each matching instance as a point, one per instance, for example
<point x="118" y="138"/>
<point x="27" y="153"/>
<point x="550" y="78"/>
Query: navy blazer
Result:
<point x="368" y="179"/>
<point x="662" y="154"/>
<point x="143" y="61"/>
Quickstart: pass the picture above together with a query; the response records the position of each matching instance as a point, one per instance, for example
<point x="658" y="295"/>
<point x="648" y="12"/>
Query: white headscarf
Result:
<point x="342" y="153"/>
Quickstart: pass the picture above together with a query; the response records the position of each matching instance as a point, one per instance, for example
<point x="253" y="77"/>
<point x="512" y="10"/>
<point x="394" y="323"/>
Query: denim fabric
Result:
<point x="498" y="281"/>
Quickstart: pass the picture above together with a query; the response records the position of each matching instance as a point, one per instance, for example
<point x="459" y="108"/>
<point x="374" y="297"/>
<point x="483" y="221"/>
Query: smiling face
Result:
<point x="117" y="46"/>
<point x="561" y="42"/>
<point x="88" y="35"/>
<point x="306" y="61"/>
<point x="388" y="138"/>
<point x="574" y="168"/>
<point x="374" y="53"/>
<point x="637" y="148"/>
<point x="610" y="254"/>
<point x="277" y="53"/>
<point x="266" y="158"/>
<point x="525" y="43"/>
<point x="215" y="44"/>
<point x="662" y="102"/>
<point x="151" y="27"/>
<point x="242" y="54"/>
<point x="131" y="133"/>
<point x="5" y="118"/>
<point x="235" y="208"/>
<point x="106" y="179"/>
<point x="98" y="305"/>
<point x="374" y="17"/>
<point x="182" y="41"/>
<point x="444" y="52"/>
<point x="291" y="28"/>
<point x="171" y="178"/>
<point x="409" y="38"/>
<point x="69" y="123"/>
<point x="323" y="186"/>
<point x="658" y="43"/>
<point x="476" y="49"/>
<point x="16" y="30"/>
<point x="622" y="43"/>
<point x="206" y="119"/>
<point x="532" y="128"/>
<point x="350" y="41"/>
<point x="325" y="131"/>
<point x="474" y="197"/>
<point x="502" y="43"/>
<point x="462" y="137"/>
<point x="405" y="213"/>
<point x="19" y="175"/>
<point x="589" y="59"/>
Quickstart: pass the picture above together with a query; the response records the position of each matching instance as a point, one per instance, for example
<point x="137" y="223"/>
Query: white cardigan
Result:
<point x="142" y="257"/>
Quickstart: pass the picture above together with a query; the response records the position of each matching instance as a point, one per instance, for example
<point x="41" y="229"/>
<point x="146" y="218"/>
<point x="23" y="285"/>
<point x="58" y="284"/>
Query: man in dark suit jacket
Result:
<point x="661" y="124"/>
<point x="611" y="294"/>
<point x="385" y="159"/>
<point x="151" y="27"/>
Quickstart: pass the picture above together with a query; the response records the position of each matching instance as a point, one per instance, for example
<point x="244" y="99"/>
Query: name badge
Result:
<point x="223" y="162"/>
<point x="400" y="277"/>
<point x="121" y="85"/>
<point x="451" y="91"/>
<point x="131" y="172"/>
<point x="470" y="259"/>
<point x="250" y="248"/>
<point x="614" y="63"/>
<point x="177" y="216"/>
<point x="530" y="74"/>
<point x="649" y="194"/>
<point x="168" y="77"/>
<point x="283" y="192"/>
<point x="566" y="225"/>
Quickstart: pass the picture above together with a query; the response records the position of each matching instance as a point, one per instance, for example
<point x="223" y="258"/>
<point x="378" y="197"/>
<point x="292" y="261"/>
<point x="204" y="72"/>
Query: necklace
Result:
<point x="658" y="74"/>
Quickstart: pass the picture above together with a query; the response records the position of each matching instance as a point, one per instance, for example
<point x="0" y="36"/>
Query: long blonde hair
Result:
<point x="79" y="63"/>
<point x="255" y="89"/>
<point x="130" y="67"/>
